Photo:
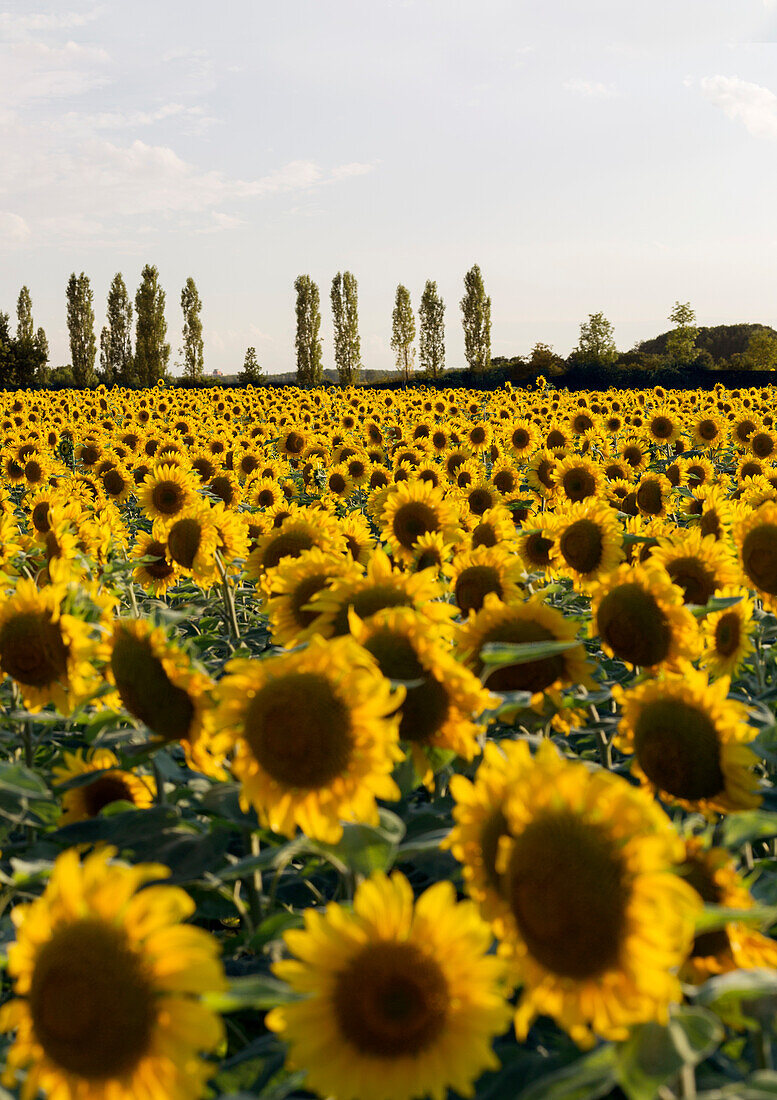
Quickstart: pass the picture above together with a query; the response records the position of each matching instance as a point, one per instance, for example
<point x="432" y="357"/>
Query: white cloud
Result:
<point x="13" y="228"/>
<point x="594" y="89"/>
<point x="190" y="119"/>
<point x="16" y="24"/>
<point x="751" y="104"/>
<point x="32" y="71"/>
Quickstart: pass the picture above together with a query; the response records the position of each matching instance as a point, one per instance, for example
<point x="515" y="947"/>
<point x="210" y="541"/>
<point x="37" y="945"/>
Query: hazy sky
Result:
<point x="595" y="155"/>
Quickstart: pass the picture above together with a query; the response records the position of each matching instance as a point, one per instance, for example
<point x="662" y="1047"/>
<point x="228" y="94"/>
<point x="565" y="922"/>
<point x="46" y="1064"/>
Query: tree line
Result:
<point x="476" y="319"/>
<point x="129" y="355"/>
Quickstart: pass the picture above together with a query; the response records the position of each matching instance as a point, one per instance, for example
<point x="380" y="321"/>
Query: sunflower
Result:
<point x="653" y="494"/>
<point x="158" y="575"/>
<point x="117" y="484"/>
<point x="635" y="453"/>
<point x="47" y="651"/>
<point x="519" y="624"/>
<point x="541" y="472"/>
<point x="698" y="564"/>
<point x="108" y="986"/>
<point x="292" y="442"/>
<point x="443" y="700"/>
<point x="192" y="540"/>
<point x="763" y="444"/>
<point x="301" y="530"/>
<point x="475" y="573"/>
<point x="590" y="914"/>
<point x="159" y="687"/>
<point x="728" y="635"/>
<point x="640" y="616"/>
<point x="756" y="541"/>
<point x="708" y="430"/>
<point x="400" y="999"/>
<point x="587" y="540"/>
<point x="522" y="438"/>
<point x="495" y="527"/>
<point x="226" y="487"/>
<point x="664" y="426"/>
<point x="413" y="509"/>
<point x="689" y="742"/>
<point x="111" y="785"/>
<point x="578" y="479"/>
<point x="293" y="583"/>
<point x="381" y="586"/>
<point x="167" y="492"/>
<point x="713" y="875"/>
<point x="314" y="734"/>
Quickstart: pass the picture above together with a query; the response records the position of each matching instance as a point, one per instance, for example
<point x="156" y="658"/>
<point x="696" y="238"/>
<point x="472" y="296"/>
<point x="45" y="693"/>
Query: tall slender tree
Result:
<point x="431" y="338"/>
<point x="403" y="331"/>
<point x="25" y="328"/>
<point x="308" y="340"/>
<point x="80" y="323"/>
<point x="193" y="357"/>
<point x="152" y="352"/>
<point x="345" y="313"/>
<point x="252" y="371"/>
<point x="116" y="364"/>
<point x="476" y="317"/>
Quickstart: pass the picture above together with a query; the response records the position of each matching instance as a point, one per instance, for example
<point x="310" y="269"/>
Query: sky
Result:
<point x="598" y="156"/>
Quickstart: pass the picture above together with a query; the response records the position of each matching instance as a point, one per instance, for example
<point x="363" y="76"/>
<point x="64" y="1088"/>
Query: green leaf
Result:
<point x="590" y="1077"/>
<point x="367" y="848"/>
<point x="260" y="991"/>
<point x="714" y="917"/>
<point x="503" y="654"/>
<point x="653" y="1053"/>
<point x="742" y="828"/>
<point x="742" y="998"/>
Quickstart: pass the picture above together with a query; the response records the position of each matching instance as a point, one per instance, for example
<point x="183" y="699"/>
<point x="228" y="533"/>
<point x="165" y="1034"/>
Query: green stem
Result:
<point x="253" y="881"/>
<point x="229" y="602"/>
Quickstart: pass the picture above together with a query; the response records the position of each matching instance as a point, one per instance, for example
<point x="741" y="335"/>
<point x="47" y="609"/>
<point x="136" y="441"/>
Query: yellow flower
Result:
<point x="292" y="585"/>
<point x="158" y="575"/>
<point x="48" y="652"/>
<point x="167" y="492"/>
<point x="474" y="573"/>
<point x="108" y="986"/>
<point x="690" y="743"/>
<point x="728" y="635"/>
<point x="756" y="539"/>
<point x="314" y="734"/>
<point x="591" y="917"/>
<point x="413" y="509"/>
<point x="112" y="785"/>
<point x="587" y="541"/>
<point x="401" y="1000"/>
<point x="640" y="616"/>
<point x="700" y="565"/>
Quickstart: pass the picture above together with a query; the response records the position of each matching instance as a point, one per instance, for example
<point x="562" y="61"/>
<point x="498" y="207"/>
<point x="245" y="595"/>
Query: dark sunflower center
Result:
<point x="168" y="497"/>
<point x="661" y="427"/>
<point x="762" y="445"/>
<point x="426" y="705"/>
<point x="473" y="585"/>
<point x="759" y="557"/>
<point x="160" y="569"/>
<point x="183" y="541"/>
<point x="91" y="1002"/>
<point x="204" y="467"/>
<point x="708" y="429"/>
<point x="104" y="790"/>
<point x="531" y="675"/>
<point x="368" y="602"/>
<point x="556" y="440"/>
<point x="677" y="748"/>
<point x="744" y="429"/>
<point x="710" y="524"/>
<point x="40" y="517"/>
<point x="391" y="1001"/>
<point x="728" y="633"/>
<point x="581" y="545"/>
<point x="411" y="521"/>
<point x="484" y="535"/>
<point x="578" y="483"/>
<point x="337" y="482"/>
<point x="698" y="472"/>
<point x="303" y="594"/>
<point x="649" y="498"/>
<point x="32" y="650"/>
<point x="223" y="489"/>
<point x="520" y="438"/>
<point x="299" y="730"/>
<point x="147" y="691"/>
<point x="565" y="884"/>
<point x="697" y="582"/>
<point x="478" y="435"/>
<point x="89" y="455"/>
<point x="505" y="481"/>
<point x="633" y="625"/>
<point x="700" y="877"/>
<point x="295" y="443"/>
<point x="480" y="500"/>
<point x="545" y="473"/>
<point x="113" y="482"/>
<point x="632" y="455"/>
<point x="537" y="550"/>
<point x="288" y="544"/>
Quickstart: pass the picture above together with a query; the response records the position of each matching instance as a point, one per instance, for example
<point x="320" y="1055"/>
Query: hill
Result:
<point x="721" y="341"/>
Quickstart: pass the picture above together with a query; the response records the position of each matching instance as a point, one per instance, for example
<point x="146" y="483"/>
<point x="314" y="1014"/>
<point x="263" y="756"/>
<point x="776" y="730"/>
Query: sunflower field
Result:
<point x="380" y="745"/>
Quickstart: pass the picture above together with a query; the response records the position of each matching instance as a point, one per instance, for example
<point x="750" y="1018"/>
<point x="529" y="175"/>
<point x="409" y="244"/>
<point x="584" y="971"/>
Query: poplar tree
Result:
<point x="345" y="312"/>
<point x="476" y="317"/>
<point x="152" y="351"/>
<point x="431" y="338"/>
<point x="80" y="323"/>
<point x="403" y="331"/>
<point x="308" y="340"/>
<point x="25" y="328"/>
<point x="193" y="359"/>
<point x="116" y="338"/>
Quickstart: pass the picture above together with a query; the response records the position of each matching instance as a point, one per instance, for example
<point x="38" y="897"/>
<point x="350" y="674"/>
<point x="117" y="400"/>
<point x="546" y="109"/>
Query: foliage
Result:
<point x="191" y="306"/>
<point x="403" y="332"/>
<point x="152" y="352"/>
<point x="476" y="318"/>
<point x="80" y="323"/>
<point x="596" y="345"/>
<point x="431" y="339"/>
<point x="345" y="317"/>
<point x="251" y="372"/>
<point x="116" y="362"/>
<point x="308" y="339"/>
